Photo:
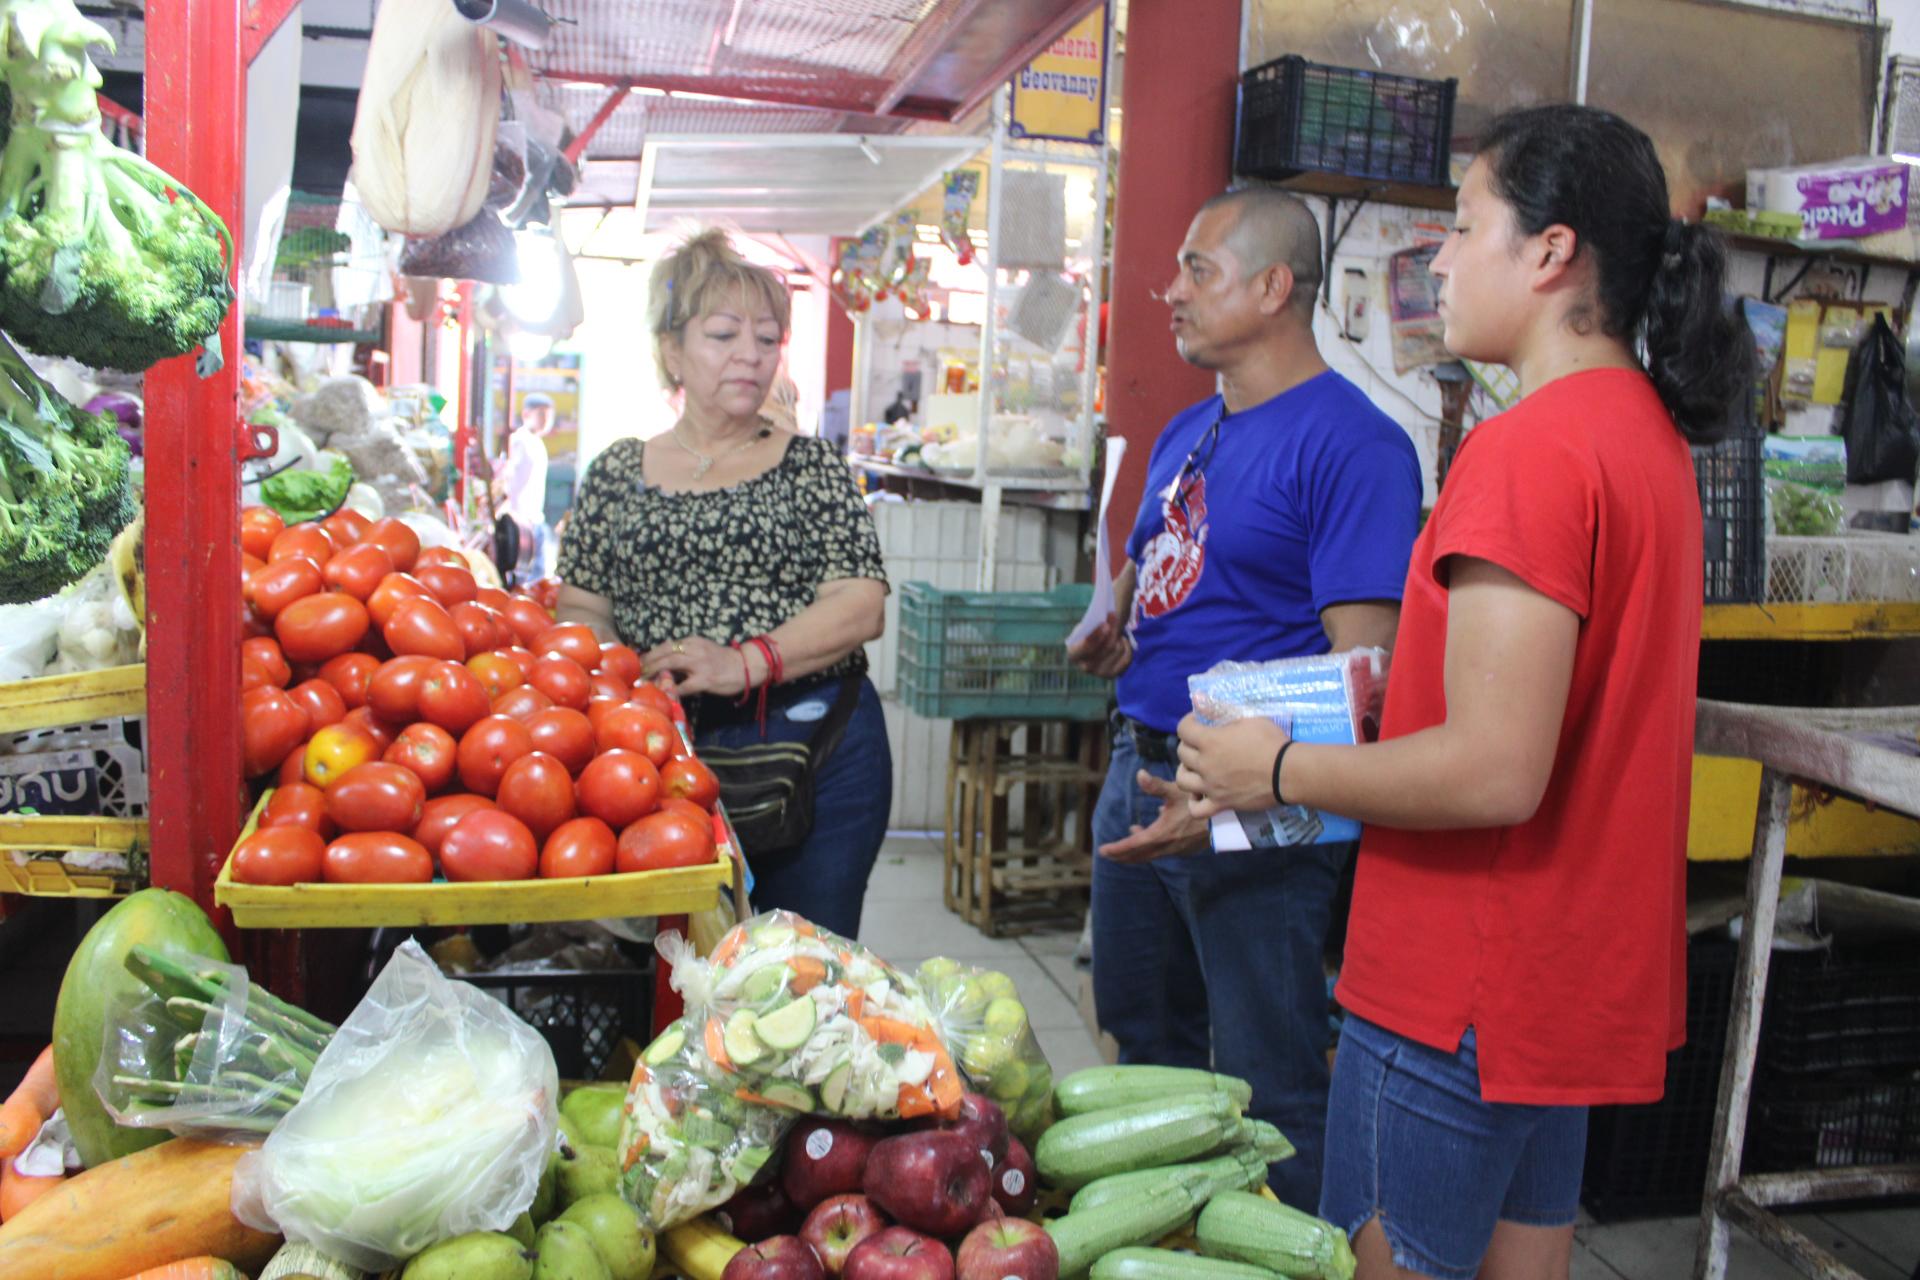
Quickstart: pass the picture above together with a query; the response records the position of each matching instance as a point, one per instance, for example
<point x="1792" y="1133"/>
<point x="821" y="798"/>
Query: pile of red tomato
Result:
<point x="417" y="723"/>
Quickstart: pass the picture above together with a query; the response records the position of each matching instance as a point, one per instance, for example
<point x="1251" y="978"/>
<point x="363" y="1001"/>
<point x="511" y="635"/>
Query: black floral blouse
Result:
<point x="726" y="564"/>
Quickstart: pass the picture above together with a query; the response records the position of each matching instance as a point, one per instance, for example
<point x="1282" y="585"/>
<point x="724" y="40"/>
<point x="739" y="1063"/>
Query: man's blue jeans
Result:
<point x="1214" y="960"/>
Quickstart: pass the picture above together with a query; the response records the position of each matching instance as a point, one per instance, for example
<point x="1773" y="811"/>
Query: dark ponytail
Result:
<point x="1660" y="283"/>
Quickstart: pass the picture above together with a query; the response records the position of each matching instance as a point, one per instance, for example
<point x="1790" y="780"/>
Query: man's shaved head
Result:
<point x="1274" y="228"/>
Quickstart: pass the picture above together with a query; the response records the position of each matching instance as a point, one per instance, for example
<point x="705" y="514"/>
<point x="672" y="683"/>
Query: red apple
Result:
<point x="933" y="1182"/>
<point x="824" y="1158"/>
<point x="835" y="1226"/>
<point x="757" y="1213"/>
<point x="781" y="1258"/>
<point x="1015" y="1186"/>
<point x="900" y="1254"/>
<point x="1008" y="1249"/>
<point x="982" y="1120"/>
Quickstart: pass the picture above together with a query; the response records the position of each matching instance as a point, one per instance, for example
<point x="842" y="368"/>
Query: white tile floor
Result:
<point x="905" y="922"/>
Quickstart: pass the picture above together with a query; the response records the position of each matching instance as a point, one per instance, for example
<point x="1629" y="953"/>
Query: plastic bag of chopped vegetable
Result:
<point x="986" y="1030"/>
<point x="692" y="1134"/>
<point x="807" y="1019"/>
<point x="431" y="1113"/>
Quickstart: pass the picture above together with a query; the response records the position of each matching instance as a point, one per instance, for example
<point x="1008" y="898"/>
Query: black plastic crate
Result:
<point x="583" y="1013"/>
<point x="1797" y="1122"/>
<point x="1733" y="511"/>
<point x="1297" y="116"/>
<point x="1857" y="1011"/>
<point x="1651" y="1160"/>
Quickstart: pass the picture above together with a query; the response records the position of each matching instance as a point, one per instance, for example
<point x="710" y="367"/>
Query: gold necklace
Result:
<point x="703" y="463"/>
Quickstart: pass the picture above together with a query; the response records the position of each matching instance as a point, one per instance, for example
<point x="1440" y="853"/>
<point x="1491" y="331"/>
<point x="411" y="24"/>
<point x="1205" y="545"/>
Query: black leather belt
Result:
<point x="1149" y="743"/>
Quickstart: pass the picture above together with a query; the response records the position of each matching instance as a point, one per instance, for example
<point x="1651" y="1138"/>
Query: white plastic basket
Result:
<point x="1851" y="568"/>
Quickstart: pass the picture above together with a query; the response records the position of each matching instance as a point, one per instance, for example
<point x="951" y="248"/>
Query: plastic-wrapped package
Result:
<point x="204" y="1053"/>
<point x="1801" y="511"/>
<point x="1330" y="698"/>
<point x="985" y="1028"/>
<point x="808" y="1019"/>
<point x="692" y="1135"/>
<point x="480" y="249"/>
<point x="431" y="1113"/>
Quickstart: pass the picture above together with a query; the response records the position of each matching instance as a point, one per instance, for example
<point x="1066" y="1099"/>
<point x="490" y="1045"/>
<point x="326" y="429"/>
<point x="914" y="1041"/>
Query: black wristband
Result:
<point x="1278" y="757"/>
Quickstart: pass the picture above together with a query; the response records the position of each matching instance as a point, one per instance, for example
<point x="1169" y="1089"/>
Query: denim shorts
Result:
<point x="1411" y="1142"/>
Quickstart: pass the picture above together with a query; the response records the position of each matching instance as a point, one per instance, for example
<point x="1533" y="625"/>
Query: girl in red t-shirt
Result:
<point x="1515" y="951"/>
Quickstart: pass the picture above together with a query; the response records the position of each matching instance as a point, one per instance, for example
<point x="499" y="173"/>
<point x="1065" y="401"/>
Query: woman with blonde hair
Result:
<point x="738" y="556"/>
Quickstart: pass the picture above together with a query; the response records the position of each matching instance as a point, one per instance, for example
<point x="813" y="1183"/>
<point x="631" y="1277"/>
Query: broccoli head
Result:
<point x="104" y="258"/>
<point x="65" y="486"/>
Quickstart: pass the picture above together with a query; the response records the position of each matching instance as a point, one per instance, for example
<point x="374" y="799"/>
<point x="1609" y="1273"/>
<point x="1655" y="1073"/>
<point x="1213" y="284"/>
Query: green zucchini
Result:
<point x="1146" y="1135"/>
<point x="1097" y="1088"/>
<point x="1265" y="1233"/>
<point x="1169" y="1264"/>
<point x="1239" y="1171"/>
<point x="1082" y="1238"/>
<point x="1263" y="1138"/>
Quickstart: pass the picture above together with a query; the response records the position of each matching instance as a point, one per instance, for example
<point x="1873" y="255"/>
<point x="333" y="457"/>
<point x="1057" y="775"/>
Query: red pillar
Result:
<point x="1176" y="146"/>
<point x="839" y="348"/>
<point x="196" y="130"/>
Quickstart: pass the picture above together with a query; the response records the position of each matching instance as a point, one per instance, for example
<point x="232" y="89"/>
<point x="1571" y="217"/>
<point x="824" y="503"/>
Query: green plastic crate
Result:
<point x="985" y="655"/>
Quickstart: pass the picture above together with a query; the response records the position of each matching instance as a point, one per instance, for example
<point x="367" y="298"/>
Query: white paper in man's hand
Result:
<point x="1102" y="603"/>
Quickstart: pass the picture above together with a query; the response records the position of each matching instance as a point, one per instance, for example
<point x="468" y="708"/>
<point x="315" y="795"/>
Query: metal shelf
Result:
<point x="1342" y="186"/>
<point x="1055" y="495"/>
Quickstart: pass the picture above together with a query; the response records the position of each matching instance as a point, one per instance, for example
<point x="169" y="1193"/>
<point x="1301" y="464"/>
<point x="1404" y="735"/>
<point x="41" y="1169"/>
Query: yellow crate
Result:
<point x="677" y="891"/>
<point x="1726" y="797"/>
<point x="47" y="701"/>
<point x="47" y="878"/>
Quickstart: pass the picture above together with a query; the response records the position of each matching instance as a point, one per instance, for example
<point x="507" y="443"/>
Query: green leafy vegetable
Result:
<point x="308" y="495"/>
<point x="65" y="488"/>
<point x="103" y="257"/>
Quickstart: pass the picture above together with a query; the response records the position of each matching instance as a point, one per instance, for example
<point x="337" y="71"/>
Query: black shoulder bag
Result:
<point x="768" y="787"/>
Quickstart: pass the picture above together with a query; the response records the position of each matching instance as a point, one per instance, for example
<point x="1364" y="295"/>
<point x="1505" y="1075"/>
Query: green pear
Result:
<point x="568" y="1252"/>
<point x="522" y="1229"/>
<point x="998" y="985"/>
<point x="625" y="1245"/>
<point x="595" y="1112"/>
<point x="543" y="1195"/>
<point x="1005" y="1020"/>
<point x="570" y="1134"/>
<point x="479" y="1255"/>
<point x="593" y="1171"/>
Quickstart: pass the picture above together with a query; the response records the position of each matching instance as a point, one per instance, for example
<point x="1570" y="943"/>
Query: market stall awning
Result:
<point x="899" y="59"/>
<point x="797" y="184"/>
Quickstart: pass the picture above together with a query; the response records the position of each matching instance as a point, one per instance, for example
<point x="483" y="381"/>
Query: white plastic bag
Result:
<point x="430" y="1114"/>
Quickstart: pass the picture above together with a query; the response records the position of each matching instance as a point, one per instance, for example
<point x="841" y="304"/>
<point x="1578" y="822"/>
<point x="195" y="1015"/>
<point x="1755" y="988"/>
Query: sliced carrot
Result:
<point x="642" y="1074"/>
<point x="893" y="1031"/>
<point x="19" y="1122"/>
<point x="913" y="1102"/>
<point x="856" y="1003"/>
<point x="716" y="1047"/>
<point x="18" y="1190"/>
<point x="808" y="973"/>
<point x="729" y="947"/>
<point x="38" y="1088"/>
<point x="748" y="1095"/>
<point x="947" y="1093"/>
<point x="805" y="928"/>
<point x="639" y="1148"/>
<point x="201" y="1268"/>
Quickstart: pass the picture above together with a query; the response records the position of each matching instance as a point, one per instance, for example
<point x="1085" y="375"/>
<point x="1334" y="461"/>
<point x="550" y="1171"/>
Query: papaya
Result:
<point x="165" y="1204"/>
<point x="95" y="983"/>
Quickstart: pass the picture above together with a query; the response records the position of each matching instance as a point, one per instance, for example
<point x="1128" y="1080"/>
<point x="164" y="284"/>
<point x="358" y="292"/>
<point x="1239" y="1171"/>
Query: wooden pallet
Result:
<point x="1004" y="880"/>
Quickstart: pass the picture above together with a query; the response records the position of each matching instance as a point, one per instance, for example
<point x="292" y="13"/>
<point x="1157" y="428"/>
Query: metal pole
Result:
<point x="195" y="114"/>
<point x="996" y="190"/>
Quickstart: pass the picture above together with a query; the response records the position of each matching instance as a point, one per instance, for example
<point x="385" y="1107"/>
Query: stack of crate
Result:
<point x="1027" y="727"/>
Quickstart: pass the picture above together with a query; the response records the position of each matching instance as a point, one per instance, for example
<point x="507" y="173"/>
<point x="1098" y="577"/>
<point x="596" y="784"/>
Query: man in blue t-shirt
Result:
<point x="1278" y="519"/>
